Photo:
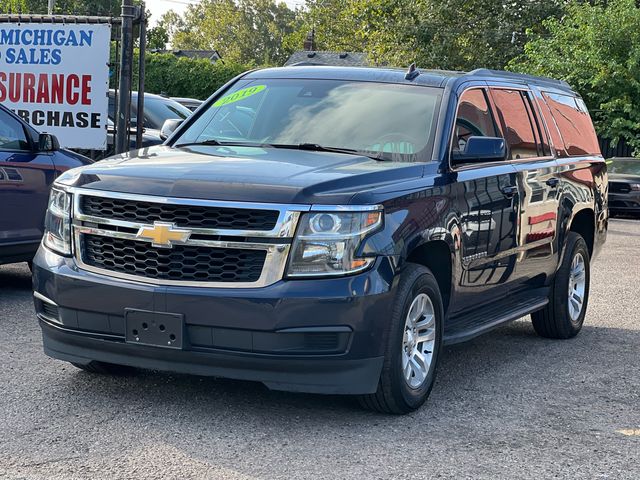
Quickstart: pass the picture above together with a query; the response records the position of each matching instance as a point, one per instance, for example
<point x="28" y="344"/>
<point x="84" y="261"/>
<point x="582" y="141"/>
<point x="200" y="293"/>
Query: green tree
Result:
<point x="14" y="6"/>
<point x="157" y="38"/>
<point x="66" y="7"/>
<point x="449" y="34"/>
<point x="171" y="23"/>
<point x="246" y="31"/>
<point x="596" y="49"/>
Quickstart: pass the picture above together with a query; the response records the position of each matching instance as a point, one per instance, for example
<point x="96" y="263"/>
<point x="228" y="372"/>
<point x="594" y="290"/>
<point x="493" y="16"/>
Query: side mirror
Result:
<point x="168" y="127"/>
<point x="48" y="143"/>
<point x="481" y="149"/>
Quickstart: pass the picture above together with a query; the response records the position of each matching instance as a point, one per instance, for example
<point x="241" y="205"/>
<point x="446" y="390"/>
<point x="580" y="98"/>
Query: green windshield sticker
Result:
<point x="239" y="95"/>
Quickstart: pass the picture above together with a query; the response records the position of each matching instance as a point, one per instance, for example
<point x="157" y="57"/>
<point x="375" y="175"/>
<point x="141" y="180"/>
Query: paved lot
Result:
<point x="507" y="405"/>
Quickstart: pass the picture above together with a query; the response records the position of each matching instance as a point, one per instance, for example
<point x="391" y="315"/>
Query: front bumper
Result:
<point x="318" y="336"/>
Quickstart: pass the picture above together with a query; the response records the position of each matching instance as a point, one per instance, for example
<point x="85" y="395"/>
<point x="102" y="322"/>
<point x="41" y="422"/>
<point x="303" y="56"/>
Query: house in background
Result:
<point x="311" y="56"/>
<point x="212" y="55"/>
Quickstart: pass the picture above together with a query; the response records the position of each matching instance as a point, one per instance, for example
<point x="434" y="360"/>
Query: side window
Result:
<point x="12" y="134"/>
<point x="519" y="132"/>
<point x="474" y="118"/>
<point x="544" y="149"/>
<point x="573" y="120"/>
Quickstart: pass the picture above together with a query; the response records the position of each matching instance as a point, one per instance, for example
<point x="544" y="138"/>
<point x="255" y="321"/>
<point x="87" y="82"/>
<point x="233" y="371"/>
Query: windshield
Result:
<point x="387" y="121"/>
<point x="624" y="167"/>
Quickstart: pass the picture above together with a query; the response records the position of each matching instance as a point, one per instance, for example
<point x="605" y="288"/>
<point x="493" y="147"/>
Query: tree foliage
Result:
<point x="449" y="34"/>
<point x="157" y="38"/>
<point x="13" y="6"/>
<point x="66" y="7"/>
<point x="247" y="31"/>
<point x="596" y="49"/>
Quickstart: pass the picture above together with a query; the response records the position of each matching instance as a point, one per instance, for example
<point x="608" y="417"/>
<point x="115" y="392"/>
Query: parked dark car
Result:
<point x="190" y="103"/>
<point x="624" y="186"/>
<point x="328" y="230"/>
<point x="157" y="110"/>
<point x="29" y="164"/>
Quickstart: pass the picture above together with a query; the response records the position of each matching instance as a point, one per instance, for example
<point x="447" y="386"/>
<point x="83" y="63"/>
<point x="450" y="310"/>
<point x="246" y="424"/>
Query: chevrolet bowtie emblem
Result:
<point x="163" y="235"/>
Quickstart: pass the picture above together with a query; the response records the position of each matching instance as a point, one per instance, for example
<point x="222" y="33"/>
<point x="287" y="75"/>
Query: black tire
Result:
<point x="394" y="395"/>
<point x="554" y="321"/>
<point x="103" y="368"/>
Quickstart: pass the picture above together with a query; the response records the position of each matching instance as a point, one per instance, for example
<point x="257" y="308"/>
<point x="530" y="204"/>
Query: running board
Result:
<point x="463" y="328"/>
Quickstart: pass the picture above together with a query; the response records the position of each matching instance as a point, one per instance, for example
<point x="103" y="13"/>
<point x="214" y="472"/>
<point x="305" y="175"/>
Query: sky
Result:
<point x="158" y="7"/>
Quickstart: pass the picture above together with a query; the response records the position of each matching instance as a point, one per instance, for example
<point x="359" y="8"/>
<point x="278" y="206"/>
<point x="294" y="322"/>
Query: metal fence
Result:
<point x="609" y="150"/>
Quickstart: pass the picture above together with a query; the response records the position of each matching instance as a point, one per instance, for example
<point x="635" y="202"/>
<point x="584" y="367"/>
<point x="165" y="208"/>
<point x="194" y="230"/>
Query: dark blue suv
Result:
<point x="29" y="164"/>
<point x="327" y="230"/>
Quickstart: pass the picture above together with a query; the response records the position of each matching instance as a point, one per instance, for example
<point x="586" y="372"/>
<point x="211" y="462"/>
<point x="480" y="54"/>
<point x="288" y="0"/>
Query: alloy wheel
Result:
<point x="577" y="286"/>
<point x="418" y="341"/>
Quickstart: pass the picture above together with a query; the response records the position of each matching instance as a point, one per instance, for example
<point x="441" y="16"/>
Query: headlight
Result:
<point x="326" y="243"/>
<point x="57" y="223"/>
<point x="635" y="187"/>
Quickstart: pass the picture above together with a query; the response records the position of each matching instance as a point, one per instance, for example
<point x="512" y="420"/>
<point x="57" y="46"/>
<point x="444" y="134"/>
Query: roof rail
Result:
<point x="520" y="76"/>
<point x="306" y="64"/>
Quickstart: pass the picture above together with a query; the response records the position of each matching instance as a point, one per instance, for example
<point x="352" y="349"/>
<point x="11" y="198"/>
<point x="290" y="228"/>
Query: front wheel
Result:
<point x="414" y="340"/>
<point x="564" y="314"/>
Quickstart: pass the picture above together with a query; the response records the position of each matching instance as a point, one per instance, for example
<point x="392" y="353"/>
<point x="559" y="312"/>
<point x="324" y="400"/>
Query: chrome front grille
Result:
<point x="180" y="263"/>
<point x="192" y="216"/>
<point x="175" y="241"/>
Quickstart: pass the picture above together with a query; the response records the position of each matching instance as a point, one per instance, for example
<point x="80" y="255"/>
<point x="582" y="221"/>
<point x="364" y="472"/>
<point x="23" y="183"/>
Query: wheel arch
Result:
<point x="436" y="255"/>
<point x="584" y="224"/>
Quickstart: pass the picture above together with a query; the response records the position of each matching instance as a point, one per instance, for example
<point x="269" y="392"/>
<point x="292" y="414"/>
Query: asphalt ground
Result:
<point x="506" y="405"/>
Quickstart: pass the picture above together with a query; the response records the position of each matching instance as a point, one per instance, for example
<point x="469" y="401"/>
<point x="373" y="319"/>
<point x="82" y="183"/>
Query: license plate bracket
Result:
<point x="156" y="329"/>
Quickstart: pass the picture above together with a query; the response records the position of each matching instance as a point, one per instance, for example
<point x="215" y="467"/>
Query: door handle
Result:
<point x="553" y="182"/>
<point x="509" y="191"/>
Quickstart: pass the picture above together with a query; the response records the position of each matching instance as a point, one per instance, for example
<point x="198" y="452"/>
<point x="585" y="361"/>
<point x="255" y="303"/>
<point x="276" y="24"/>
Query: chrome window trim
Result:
<point x="474" y="166"/>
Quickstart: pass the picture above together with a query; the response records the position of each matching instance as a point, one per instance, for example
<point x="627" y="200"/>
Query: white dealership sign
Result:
<point x="56" y="77"/>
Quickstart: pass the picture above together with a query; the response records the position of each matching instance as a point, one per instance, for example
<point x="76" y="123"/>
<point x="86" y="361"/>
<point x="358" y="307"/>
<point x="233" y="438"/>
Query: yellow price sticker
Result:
<point x="239" y="95"/>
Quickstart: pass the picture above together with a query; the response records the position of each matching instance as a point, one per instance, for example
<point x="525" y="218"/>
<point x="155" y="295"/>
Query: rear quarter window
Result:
<point x="574" y="123"/>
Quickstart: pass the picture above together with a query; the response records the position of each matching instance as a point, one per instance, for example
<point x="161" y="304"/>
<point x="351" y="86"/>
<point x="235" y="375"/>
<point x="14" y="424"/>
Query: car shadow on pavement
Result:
<point x="15" y="278"/>
<point x="508" y="362"/>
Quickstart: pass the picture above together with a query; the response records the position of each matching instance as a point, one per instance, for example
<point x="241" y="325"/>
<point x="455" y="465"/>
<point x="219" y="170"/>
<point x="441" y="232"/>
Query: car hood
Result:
<point x="243" y="174"/>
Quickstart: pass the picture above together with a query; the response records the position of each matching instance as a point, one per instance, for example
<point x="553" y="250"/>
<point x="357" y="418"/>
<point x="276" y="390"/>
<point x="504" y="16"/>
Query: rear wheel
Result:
<point x="413" y="346"/>
<point x="103" y="368"/>
<point x="564" y="314"/>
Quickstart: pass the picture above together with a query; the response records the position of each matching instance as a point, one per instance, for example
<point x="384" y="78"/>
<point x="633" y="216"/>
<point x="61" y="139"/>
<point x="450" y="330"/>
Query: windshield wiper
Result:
<point x="314" y="147"/>
<point x="211" y="141"/>
<point x="221" y="143"/>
